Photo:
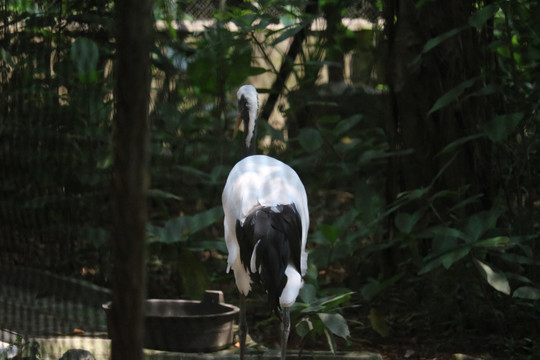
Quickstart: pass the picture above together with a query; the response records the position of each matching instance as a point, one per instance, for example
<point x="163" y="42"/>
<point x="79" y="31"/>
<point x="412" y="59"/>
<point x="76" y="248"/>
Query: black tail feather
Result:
<point x="275" y="234"/>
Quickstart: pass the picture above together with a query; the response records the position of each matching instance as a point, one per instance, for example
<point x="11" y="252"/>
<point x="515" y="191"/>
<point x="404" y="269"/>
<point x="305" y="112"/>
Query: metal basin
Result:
<point x="187" y="326"/>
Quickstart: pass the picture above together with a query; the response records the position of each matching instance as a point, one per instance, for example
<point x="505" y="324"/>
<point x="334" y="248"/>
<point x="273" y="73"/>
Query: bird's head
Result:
<point x="248" y="106"/>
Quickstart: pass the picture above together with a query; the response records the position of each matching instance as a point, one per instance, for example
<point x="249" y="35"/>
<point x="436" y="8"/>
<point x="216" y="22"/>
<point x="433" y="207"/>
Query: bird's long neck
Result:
<point x="248" y="105"/>
<point x="250" y="137"/>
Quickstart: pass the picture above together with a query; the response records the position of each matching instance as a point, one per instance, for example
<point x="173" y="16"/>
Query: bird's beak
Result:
<point x="238" y="122"/>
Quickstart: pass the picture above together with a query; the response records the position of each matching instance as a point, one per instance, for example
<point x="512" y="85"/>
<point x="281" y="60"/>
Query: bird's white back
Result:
<point x="260" y="180"/>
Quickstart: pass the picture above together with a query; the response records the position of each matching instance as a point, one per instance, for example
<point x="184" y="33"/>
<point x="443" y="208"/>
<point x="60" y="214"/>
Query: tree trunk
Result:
<point x="415" y="86"/>
<point x="130" y="175"/>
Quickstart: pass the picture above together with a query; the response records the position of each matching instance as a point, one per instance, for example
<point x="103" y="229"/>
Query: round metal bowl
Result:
<point x="187" y="326"/>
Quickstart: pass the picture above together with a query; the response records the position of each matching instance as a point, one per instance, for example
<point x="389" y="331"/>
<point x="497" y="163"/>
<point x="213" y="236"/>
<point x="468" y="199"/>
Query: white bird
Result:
<point x="266" y="224"/>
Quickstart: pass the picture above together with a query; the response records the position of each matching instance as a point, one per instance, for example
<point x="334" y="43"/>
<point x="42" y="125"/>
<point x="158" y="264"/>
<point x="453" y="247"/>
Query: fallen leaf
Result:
<point x="378" y="322"/>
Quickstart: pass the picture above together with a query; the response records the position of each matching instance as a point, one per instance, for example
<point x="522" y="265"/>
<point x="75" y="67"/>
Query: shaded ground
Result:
<point x="416" y="331"/>
<point x="41" y="304"/>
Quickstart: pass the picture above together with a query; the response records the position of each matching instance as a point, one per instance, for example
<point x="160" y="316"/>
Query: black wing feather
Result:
<point x="278" y="233"/>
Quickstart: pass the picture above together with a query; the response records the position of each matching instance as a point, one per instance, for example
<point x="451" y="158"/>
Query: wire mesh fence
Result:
<point x="56" y="80"/>
<point x="55" y="127"/>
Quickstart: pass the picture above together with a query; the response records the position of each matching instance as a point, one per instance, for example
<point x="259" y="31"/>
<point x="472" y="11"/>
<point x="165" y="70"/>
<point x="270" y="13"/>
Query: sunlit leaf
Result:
<point x="331" y="341"/>
<point x="497" y="241"/>
<point x="497" y="280"/>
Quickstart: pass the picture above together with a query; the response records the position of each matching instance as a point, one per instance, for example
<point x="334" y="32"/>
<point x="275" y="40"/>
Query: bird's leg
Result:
<point x="242" y="327"/>
<point x="286" y="328"/>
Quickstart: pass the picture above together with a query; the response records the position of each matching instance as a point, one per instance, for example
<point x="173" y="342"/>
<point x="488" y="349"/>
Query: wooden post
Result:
<point x="133" y="21"/>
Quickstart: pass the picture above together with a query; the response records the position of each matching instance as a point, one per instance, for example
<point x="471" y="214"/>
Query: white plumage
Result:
<point x="260" y="180"/>
<point x="266" y="223"/>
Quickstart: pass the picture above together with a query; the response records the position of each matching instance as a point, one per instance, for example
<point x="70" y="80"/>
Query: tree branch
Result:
<point x="288" y="62"/>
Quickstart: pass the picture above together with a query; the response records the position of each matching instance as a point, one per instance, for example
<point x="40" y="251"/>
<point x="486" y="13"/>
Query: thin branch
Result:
<point x="287" y="65"/>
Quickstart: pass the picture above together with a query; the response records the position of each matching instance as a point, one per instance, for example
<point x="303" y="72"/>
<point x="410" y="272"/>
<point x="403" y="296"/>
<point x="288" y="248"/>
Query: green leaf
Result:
<point x="405" y="222"/>
<point x="308" y="293"/>
<point x="156" y="193"/>
<point x="518" y="259"/>
<point x="501" y="126"/>
<point x="327" y="303"/>
<point x="446" y="259"/>
<point x="345" y="125"/>
<point x="336" y="323"/>
<point x="497" y="241"/>
<point x="455" y="144"/>
<point x="304" y="326"/>
<point x="477" y="224"/>
<point x="441" y="230"/>
<point x="497" y="280"/>
<point x="527" y="292"/>
<point x="178" y="229"/>
<point x="6" y="57"/>
<point x="97" y="237"/>
<point x="452" y="95"/>
<point x="203" y="219"/>
<point x="451" y="257"/>
<point x="287" y="33"/>
<point x="310" y="139"/>
<point x="330" y="340"/>
<point x="346" y="219"/>
<point x="378" y="322"/>
<point x="330" y="232"/>
<point x="375" y="287"/>
<point x="84" y="54"/>
<point x="433" y="42"/>
<point x="194" y="274"/>
<point x="479" y="18"/>
<point x="413" y="194"/>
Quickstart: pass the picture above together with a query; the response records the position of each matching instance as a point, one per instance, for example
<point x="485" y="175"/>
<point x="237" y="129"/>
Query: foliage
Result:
<point x="320" y="316"/>
<point x="21" y="349"/>
<point x="372" y="232"/>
